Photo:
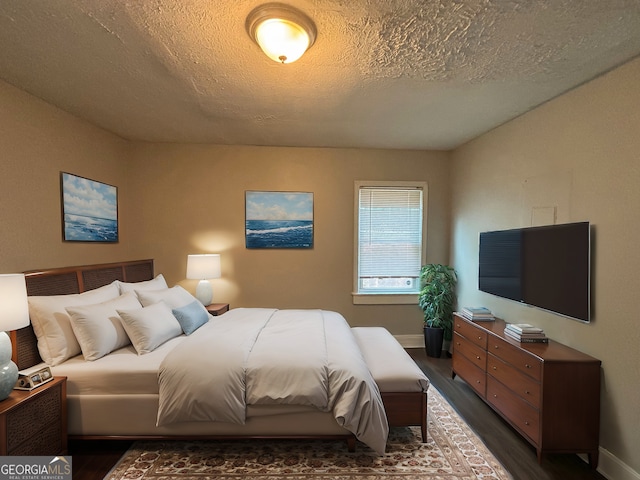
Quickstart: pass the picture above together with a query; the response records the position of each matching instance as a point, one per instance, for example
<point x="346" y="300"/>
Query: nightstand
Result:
<point x="216" y="309"/>
<point x="35" y="422"/>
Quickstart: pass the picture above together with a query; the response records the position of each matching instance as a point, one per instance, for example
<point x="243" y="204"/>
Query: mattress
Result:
<point x="122" y="372"/>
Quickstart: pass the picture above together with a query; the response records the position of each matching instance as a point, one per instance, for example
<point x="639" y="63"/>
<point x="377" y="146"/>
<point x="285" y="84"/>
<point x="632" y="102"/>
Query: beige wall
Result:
<point x="579" y="153"/>
<point x="180" y="199"/>
<point x="190" y="199"/>
<point x="37" y="141"/>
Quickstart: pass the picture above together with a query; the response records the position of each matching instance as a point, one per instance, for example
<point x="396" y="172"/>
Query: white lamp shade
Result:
<point x="14" y="308"/>
<point x="14" y="314"/>
<point x="201" y="267"/>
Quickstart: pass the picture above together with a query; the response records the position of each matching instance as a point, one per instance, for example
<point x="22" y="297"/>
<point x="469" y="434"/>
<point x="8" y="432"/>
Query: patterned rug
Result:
<point x="452" y="452"/>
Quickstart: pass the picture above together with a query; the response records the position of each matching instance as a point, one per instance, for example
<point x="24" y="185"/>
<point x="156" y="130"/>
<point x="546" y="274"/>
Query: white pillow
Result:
<point x="155" y="284"/>
<point x="98" y="327"/>
<point x="149" y="327"/>
<point x="175" y="297"/>
<point x="51" y="323"/>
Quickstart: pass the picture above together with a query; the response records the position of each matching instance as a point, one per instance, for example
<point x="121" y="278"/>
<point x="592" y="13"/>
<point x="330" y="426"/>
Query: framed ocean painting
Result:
<point x="89" y="210"/>
<point x="278" y="219"/>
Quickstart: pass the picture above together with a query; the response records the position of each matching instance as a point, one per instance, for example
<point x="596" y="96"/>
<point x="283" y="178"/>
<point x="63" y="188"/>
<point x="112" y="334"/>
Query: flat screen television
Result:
<point x="547" y="267"/>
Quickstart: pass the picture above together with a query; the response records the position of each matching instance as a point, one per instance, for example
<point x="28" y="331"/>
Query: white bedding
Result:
<point x="125" y="373"/>
<point x="272" y="357"/>
<point x="121" y="372"/>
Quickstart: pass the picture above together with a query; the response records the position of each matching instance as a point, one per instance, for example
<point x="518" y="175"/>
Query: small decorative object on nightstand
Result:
<point x="216" y="309"/>
<point x="35" y="422"/>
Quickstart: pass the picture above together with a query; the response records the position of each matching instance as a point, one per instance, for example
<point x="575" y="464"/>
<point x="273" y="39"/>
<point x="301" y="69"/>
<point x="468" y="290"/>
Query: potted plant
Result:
<point x="437" y="299"/>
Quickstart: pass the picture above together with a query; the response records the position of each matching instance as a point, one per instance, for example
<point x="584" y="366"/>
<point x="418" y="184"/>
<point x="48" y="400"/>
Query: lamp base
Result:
<point x="8" y="369"/>
<point x="204" y="292"/>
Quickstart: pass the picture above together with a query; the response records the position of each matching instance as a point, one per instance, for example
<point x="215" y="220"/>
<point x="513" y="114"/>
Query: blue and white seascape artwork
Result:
<point x="90" y="210"/>
<point x="279" y="220"/>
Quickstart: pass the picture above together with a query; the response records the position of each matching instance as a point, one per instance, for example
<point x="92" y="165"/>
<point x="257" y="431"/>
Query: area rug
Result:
<point x="452" y="452"/>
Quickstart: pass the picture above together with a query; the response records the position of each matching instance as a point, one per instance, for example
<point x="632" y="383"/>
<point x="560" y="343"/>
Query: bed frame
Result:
<point x="403" y="409"/>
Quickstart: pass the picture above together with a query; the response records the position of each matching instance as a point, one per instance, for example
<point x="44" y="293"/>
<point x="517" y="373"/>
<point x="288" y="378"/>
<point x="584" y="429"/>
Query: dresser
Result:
<point x="548" y="392"/>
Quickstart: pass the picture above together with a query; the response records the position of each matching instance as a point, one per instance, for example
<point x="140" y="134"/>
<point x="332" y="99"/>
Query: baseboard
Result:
<point x="410" y="341"/>
<point x="612" y="467"/>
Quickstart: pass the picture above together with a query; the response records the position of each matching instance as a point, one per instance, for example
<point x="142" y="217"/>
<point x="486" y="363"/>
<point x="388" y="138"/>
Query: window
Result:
<point x="390" y="241"/>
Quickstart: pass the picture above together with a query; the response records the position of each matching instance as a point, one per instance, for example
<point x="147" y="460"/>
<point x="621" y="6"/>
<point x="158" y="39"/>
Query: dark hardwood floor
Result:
<point x="93" y="459"/>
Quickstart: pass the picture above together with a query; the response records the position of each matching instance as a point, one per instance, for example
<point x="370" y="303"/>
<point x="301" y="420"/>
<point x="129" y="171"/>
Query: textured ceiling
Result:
<point x="418" y="74"/>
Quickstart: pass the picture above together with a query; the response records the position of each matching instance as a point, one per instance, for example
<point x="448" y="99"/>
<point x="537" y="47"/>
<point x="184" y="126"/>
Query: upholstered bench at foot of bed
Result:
<point x="402" y="384"/>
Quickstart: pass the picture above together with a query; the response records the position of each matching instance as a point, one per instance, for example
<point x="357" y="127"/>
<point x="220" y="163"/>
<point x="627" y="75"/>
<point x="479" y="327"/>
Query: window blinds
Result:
<point x="389" y="239"/>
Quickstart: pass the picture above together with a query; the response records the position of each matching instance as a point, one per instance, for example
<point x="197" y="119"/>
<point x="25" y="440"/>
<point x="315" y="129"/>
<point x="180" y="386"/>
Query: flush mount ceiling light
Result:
<point x="282" y="32"/>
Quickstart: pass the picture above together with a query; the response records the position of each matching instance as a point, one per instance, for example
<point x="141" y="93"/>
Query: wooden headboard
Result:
<point x="65" y="281"/>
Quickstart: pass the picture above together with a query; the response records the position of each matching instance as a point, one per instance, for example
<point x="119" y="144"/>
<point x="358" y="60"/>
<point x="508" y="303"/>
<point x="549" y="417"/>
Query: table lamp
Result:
<point x="203" y="267"/>
<point x="14" y="314"/>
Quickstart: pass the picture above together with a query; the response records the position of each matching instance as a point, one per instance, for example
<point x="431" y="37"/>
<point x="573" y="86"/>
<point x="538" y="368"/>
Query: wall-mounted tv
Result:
<point x="547" y="267"/>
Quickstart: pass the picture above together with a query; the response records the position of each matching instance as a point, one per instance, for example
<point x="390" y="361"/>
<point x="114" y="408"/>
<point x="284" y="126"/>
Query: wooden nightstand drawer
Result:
<point x="35" y="422"/>
<point x="25" y="422"/>
<point x="48" y="441"/>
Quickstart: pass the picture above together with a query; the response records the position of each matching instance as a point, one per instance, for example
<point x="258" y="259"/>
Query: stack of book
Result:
<point x="477" y="314"/>
<point x="525" y="333"/>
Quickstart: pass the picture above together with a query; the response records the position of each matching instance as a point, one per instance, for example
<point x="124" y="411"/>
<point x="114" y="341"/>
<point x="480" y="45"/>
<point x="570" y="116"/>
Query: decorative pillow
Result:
<point x="175" y="297"/>
<point x="149" y="327"/>
<point x="51" y="323"/>
<point x="155" y="284"/>
<point x="98" y="327"/>
<point x="191" y="316"/>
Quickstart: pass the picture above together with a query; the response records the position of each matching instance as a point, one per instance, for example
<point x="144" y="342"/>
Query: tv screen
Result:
<point x="547" y="267"/>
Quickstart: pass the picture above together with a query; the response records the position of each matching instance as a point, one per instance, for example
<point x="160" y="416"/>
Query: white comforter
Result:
<point x="256" y="356"/>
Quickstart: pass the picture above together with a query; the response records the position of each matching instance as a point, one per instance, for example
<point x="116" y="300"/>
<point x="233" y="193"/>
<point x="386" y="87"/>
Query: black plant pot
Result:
<point x="433" y="338"/>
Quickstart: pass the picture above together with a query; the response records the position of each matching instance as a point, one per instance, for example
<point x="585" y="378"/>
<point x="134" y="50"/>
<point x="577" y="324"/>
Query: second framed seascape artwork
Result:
<point x="278" y="219"/>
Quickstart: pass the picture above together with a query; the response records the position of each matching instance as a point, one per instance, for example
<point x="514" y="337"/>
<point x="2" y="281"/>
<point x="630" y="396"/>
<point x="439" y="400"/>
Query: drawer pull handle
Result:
<point x="478" y="381"/>
<point x="527" y="365"/>
<point x="494" y="367"/>
<point x="526" y="423"/>
<point x="496" y="347"/>
<point x="527" y="392"/>
<point x="477" y="357"/>
<point x="479" y="337"/>
<point x="495" y="396"/>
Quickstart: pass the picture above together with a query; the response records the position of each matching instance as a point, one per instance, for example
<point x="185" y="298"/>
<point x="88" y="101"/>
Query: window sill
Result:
<point x="385" y="299"/>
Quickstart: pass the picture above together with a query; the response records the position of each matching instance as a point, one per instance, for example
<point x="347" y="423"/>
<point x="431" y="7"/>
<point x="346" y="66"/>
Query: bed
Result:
<point x="109" y="398"/>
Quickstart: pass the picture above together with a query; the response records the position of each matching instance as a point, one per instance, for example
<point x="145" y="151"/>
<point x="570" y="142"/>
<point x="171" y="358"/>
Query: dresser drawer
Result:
<point x="471" y="332"/>
<point x="470" y="373"/>
<point x="474" y="353"/>
<point x="521" y="415"/>
<point x="522" y="385"/>
<point x="520" y="359"/>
